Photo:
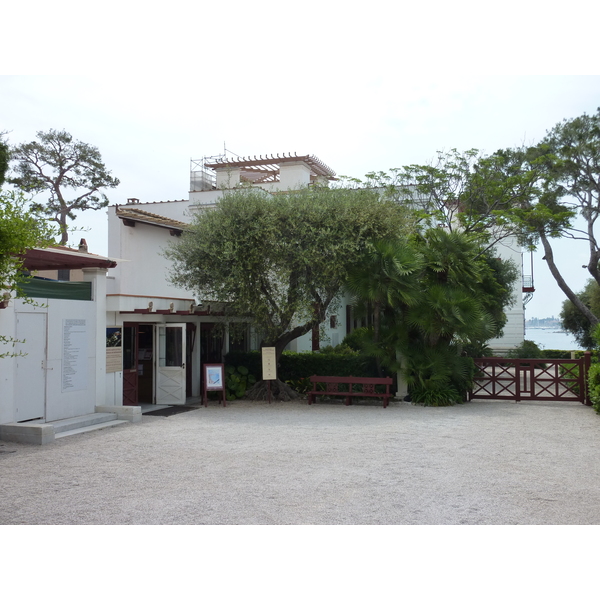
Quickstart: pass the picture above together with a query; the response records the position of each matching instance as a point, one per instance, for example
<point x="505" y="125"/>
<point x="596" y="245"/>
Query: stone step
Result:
<point x="86" y="429"/>
<point x="82" y="421"/>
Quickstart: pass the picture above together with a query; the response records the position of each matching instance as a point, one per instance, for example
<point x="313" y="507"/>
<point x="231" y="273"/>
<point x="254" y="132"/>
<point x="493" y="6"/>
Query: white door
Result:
<point x="30" y="384"/>
<point x="170" y="368"/>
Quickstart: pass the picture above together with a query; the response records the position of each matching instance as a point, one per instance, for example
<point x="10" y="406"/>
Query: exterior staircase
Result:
<point x="40" y="432"/>
<point x="85" y="423"/>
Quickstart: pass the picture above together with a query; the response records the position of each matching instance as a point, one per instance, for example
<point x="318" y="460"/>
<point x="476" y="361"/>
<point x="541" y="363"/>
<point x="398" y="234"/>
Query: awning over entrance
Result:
<point x="50" y="259"/>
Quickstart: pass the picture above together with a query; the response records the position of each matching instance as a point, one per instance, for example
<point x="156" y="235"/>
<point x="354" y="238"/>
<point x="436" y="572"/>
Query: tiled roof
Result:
<point x="142" y="216"/>
<point x="61" y="257"/>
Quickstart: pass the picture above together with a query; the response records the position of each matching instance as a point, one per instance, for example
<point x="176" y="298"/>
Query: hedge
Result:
<point x="298" y="365"/>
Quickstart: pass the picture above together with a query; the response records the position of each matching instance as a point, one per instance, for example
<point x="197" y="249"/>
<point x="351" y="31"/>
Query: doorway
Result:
<point x="30" y="384"/>
<point x="138" y="364"/>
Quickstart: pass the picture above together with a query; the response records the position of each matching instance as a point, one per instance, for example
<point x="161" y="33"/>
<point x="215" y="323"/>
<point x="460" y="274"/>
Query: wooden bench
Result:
<point x="366" y="387"/>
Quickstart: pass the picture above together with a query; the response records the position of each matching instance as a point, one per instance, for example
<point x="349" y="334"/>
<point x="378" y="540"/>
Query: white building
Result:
<point x="57" y="371"/>
<point x="167" y="335"/>
<point x="514" y="330"/>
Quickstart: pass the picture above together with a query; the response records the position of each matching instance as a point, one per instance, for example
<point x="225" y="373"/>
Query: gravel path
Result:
<point x="477" y="463"/>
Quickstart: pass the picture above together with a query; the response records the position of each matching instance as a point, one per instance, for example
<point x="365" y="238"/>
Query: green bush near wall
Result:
<point x="251" y="360"/>
<point x="556" y="354"/>
<point x="594" y="386"/>
<point x="297" y="366"/>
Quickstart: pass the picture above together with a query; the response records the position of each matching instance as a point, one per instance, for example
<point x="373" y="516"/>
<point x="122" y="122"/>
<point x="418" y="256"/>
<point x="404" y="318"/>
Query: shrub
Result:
<point x="251" y="360"/>
<point x="436" y="396"/>
<point x="527" y="349"/>
<point x="296" y="366"/>
<point x="594" y="386"/>
<point x="302" y="385"/>
<point x="555" y="354"/>
<point x="340" y="349"/>
<point x="356" y="339"/>
<point x="237" y="381"/>
<point x="438" y="376"/>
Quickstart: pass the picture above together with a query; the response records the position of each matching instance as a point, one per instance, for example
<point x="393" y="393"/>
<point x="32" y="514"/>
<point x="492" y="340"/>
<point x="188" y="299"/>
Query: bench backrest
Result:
<point x="350" y="379"/>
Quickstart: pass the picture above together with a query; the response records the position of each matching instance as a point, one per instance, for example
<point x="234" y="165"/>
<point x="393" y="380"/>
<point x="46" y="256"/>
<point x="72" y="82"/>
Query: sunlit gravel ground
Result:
<point x="477" y="463"/>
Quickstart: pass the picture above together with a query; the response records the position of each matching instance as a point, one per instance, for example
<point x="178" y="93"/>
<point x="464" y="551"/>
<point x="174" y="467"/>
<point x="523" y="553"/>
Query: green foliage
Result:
<point x="281" y="258"/>
<point x="302" y="385"/>
<point x="547" y="353"/>
<point x="237" y="381"/>
<point x="357" y="338"/>
<point x="496" y="287"/>
<point x="20" y="229"/>
<point x="250" y="360"/>
<point x="453" y="287"/>
<point x="11" y="343"/>
<point x="573" y="321"/>
<point x="562" y="174"/>
<point x="435" y="395"/>
<point x="594" y="386"/>
<point x="340" y="349"/>
<point x="4" y="158"/>
<point x="534" y="192"/>
<point x="527" y="349"/>
<point x="56" y="163"/>
<point x="297" y="366"/>
<point x="437" y="375"/>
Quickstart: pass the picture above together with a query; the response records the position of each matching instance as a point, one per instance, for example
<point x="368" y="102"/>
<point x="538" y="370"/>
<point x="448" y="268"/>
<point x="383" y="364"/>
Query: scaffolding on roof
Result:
<point x="256" y="170"/>
<point x="202" y="178"/>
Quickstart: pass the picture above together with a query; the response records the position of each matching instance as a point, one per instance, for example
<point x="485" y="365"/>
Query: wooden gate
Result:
<point x="531" y="379"/>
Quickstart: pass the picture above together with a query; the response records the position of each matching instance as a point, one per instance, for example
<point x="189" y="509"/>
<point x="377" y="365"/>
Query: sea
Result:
<point x="552" y="339"/>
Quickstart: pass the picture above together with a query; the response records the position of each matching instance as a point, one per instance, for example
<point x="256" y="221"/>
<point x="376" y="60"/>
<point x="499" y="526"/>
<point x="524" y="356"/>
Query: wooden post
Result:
<point x="587" y="363"/>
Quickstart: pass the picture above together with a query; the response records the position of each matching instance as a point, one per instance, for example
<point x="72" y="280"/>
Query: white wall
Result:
<point x="60" y="401"/>
<point x="514" y="330"/>
<point x="142" y="269"/>
<point x="7" y="365"/>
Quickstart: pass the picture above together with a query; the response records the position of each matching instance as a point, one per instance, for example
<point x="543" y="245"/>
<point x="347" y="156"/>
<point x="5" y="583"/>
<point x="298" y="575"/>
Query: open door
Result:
<point x="170" y="367"/>
<point x="130" y="364"/>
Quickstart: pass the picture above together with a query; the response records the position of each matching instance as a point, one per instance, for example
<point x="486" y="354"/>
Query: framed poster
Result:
<point x="214" y="380"/>
<point x="213" y="377"/>
<point x="114" y="350"/>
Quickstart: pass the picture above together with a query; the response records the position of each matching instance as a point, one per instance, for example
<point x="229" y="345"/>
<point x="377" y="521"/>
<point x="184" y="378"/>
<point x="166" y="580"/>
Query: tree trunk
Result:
<point x="562" y="284"/>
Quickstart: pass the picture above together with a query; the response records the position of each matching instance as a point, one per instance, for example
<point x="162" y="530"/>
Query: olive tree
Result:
<point x="282" y="258"/>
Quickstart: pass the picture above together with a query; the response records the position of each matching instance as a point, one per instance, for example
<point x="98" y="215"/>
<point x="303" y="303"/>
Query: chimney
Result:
<point x="133" y="201"/>
<point x="83" y="247"/>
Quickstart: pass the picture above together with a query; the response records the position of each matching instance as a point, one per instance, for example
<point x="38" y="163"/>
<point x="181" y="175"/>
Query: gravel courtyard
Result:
<point x="479" y="463"/>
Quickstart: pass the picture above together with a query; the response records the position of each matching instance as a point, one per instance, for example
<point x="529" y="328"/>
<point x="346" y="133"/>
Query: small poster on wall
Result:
<point x="114" y="350"/>
<point x="269" y="364"/>
<point x="74" y="355"/>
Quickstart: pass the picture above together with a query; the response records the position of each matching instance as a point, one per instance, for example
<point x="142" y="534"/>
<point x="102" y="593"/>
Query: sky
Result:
<point x="365" y="89"/>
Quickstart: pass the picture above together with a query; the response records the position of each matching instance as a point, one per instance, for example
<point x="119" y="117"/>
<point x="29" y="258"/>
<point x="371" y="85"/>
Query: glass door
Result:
<point x="170" y="368"/>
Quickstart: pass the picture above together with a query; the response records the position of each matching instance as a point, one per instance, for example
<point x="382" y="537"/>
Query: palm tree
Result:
<point x="385" y="278"/>
<point x="427" y="303"/>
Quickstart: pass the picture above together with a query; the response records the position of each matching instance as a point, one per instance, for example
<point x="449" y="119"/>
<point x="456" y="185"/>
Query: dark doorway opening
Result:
<point x="138" y="364"/>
